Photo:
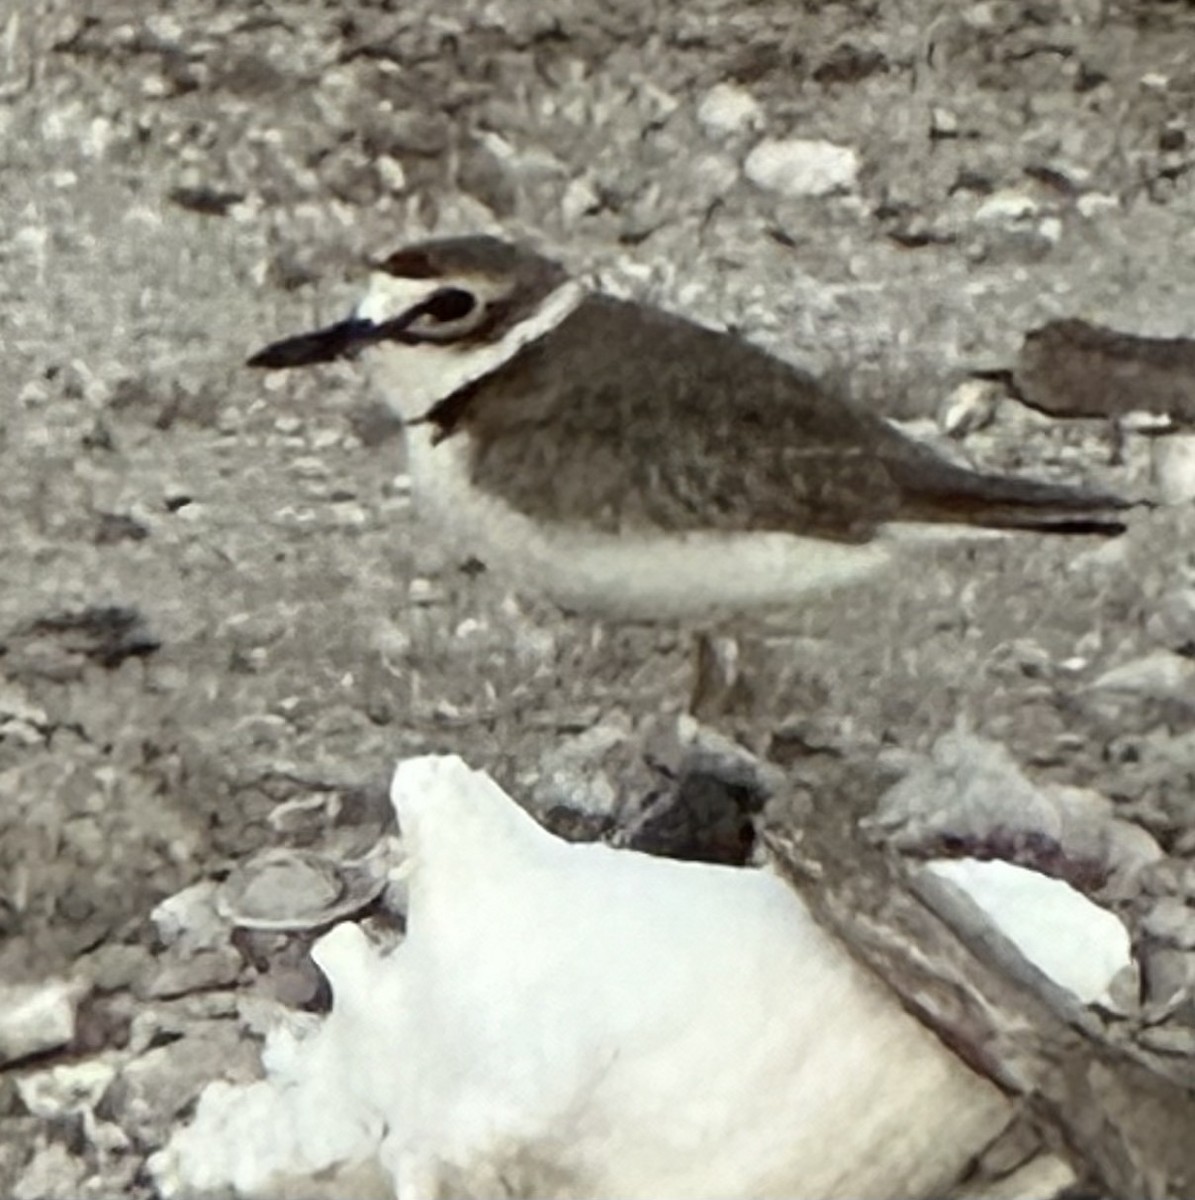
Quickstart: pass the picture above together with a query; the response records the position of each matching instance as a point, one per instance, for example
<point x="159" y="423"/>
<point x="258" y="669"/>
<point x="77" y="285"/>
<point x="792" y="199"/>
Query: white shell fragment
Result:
<point x="1076" y="943"/>
<point x="576" y="1021"/>
<point x="285" y="889"/>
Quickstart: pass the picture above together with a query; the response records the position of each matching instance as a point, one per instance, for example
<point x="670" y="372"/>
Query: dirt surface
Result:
<point x="214" y="594"/>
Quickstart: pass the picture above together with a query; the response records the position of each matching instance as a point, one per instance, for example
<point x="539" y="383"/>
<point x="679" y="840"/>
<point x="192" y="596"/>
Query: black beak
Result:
<point x="341" y="340"/>
<point x="346" y="338"/>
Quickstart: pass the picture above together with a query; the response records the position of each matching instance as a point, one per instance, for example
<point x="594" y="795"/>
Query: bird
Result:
<point x="625" y="461"/>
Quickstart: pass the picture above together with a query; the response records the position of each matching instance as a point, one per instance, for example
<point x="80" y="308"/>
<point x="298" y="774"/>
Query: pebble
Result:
<point x="36" y="1017"/>
<point x="309" y="467"/>
<point x="189" y="919"/>
<point x="425" y="592"/>
<point x="152" y="1090"/>
<point x="1007" y="205"/>
<point x="201" y="972"/>
<point x="798" y="168"/>
<point x="54" y="1173"/>
<point x="1172" y="922"/>
<point x="1169" y="1039"/>
<point x="726" y="109"/>
<point x="391" y="172"/>
<point x="69" y="1088"/>
<point x="943" y="122"/>
<point x="1173" y="467"/>
<point x="971" y="406"/>
<point x="1173" y="621"/>
<point x="115" y="966"/>
<point x="580" y="199"/>
<point x="1095" y="204"/>
<point x="1158" y="676"/>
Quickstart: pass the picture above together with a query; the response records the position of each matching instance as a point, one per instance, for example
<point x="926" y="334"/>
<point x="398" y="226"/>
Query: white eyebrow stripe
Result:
<point x="389" y="297"/>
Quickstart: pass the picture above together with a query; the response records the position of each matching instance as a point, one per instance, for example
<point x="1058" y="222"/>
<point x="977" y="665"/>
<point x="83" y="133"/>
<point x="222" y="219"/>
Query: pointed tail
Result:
<point x="938" y="491"/>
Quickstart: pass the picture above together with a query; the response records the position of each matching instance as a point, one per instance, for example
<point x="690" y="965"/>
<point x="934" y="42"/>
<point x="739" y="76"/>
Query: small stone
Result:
<point x="1094" y="204"/>
<point x="943" y="123"/>
<point x="1158" y="676"/>
<point x="425" y="592"/>
<point x="1173" y="467"/>
<point x="308" y="467"/>
<point x="54" y="1173"/>
<point x="797" y="168"/>
<point x="726" y="109"/>
<point x="971" y="406"/>
<point x="1166" y="974"/>
<point x="1007" y="205"/>
<point x="189" y="919"/>
<point x="115" y="966"/>
<point x="1171" y="922"/>
<point x="36" y="1017"/>
<point x="149" y="1094"/>
<point x="580" y="199"/>
<point x="1173" y="622"/>
<point x="1138" y="420"/>
<point x="203" y="971"/>
<point x="72" y="1087"/>
<point x="390" y="171"/>
<point x="1050" y="229"/>
<point x="1169" y="1039"/>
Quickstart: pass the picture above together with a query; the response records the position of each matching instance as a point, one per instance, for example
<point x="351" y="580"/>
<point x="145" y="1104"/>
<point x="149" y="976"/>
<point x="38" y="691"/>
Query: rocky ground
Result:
<point x="215" y="599"/>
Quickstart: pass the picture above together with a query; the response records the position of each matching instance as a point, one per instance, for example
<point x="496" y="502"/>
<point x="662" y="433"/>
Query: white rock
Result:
<point x="1050" y="228"/>
<point x="1139" y="420"/>
<point x="796" y="167"/>
<point x="1079" y="945"/>
<point x="1159" y="676"/>
<point x="579" y="199"/>
<point x="36" y="1017"/>
<point x="1094" y="204"/>
<point x="1007" y="205"/>
<point x="577" y="1021"/>
<point x="52" y="1172"/>
<point x="971" y="406"/>
<point x="189" y="919"/>
<point x="726" y="109"/>
<point x="391" y="173"/>
<point x="72" y="1087"/>
<point x="1173" y="463"/>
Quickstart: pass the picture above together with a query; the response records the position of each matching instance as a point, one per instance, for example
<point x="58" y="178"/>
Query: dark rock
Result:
<point x="1072" y="368"/>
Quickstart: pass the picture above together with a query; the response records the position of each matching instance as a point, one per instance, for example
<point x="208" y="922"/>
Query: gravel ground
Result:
<point x="214" y="595"/>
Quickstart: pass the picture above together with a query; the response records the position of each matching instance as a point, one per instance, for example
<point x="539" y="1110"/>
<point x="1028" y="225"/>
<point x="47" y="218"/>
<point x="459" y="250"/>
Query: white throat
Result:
<point x="414" y="378"/>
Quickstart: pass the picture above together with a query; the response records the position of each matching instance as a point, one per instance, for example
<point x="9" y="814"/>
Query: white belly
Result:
<point x="643" y="577"/>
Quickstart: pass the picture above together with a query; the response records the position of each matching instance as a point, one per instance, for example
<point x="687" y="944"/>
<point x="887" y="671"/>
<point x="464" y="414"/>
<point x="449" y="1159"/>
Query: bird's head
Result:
<point x="439" y="314"/>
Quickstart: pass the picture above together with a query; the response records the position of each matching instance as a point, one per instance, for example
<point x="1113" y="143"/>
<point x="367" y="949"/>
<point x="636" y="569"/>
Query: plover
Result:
<point x="625" y="461"/>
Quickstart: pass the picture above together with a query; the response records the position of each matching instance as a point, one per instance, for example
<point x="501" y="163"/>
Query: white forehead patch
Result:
<point x="389" y="296"/>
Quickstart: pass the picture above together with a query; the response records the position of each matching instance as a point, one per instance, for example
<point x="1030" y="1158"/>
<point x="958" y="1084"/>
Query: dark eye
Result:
<point x="450" y="304"/>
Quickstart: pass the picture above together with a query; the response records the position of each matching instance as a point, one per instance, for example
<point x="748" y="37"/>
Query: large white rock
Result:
<point x="575" y="1021"/>
<point x="796" y="167"/>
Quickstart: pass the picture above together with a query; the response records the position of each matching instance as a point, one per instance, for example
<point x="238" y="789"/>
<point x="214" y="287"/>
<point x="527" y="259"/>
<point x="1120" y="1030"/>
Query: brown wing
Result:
<point x="629" y="417"/>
